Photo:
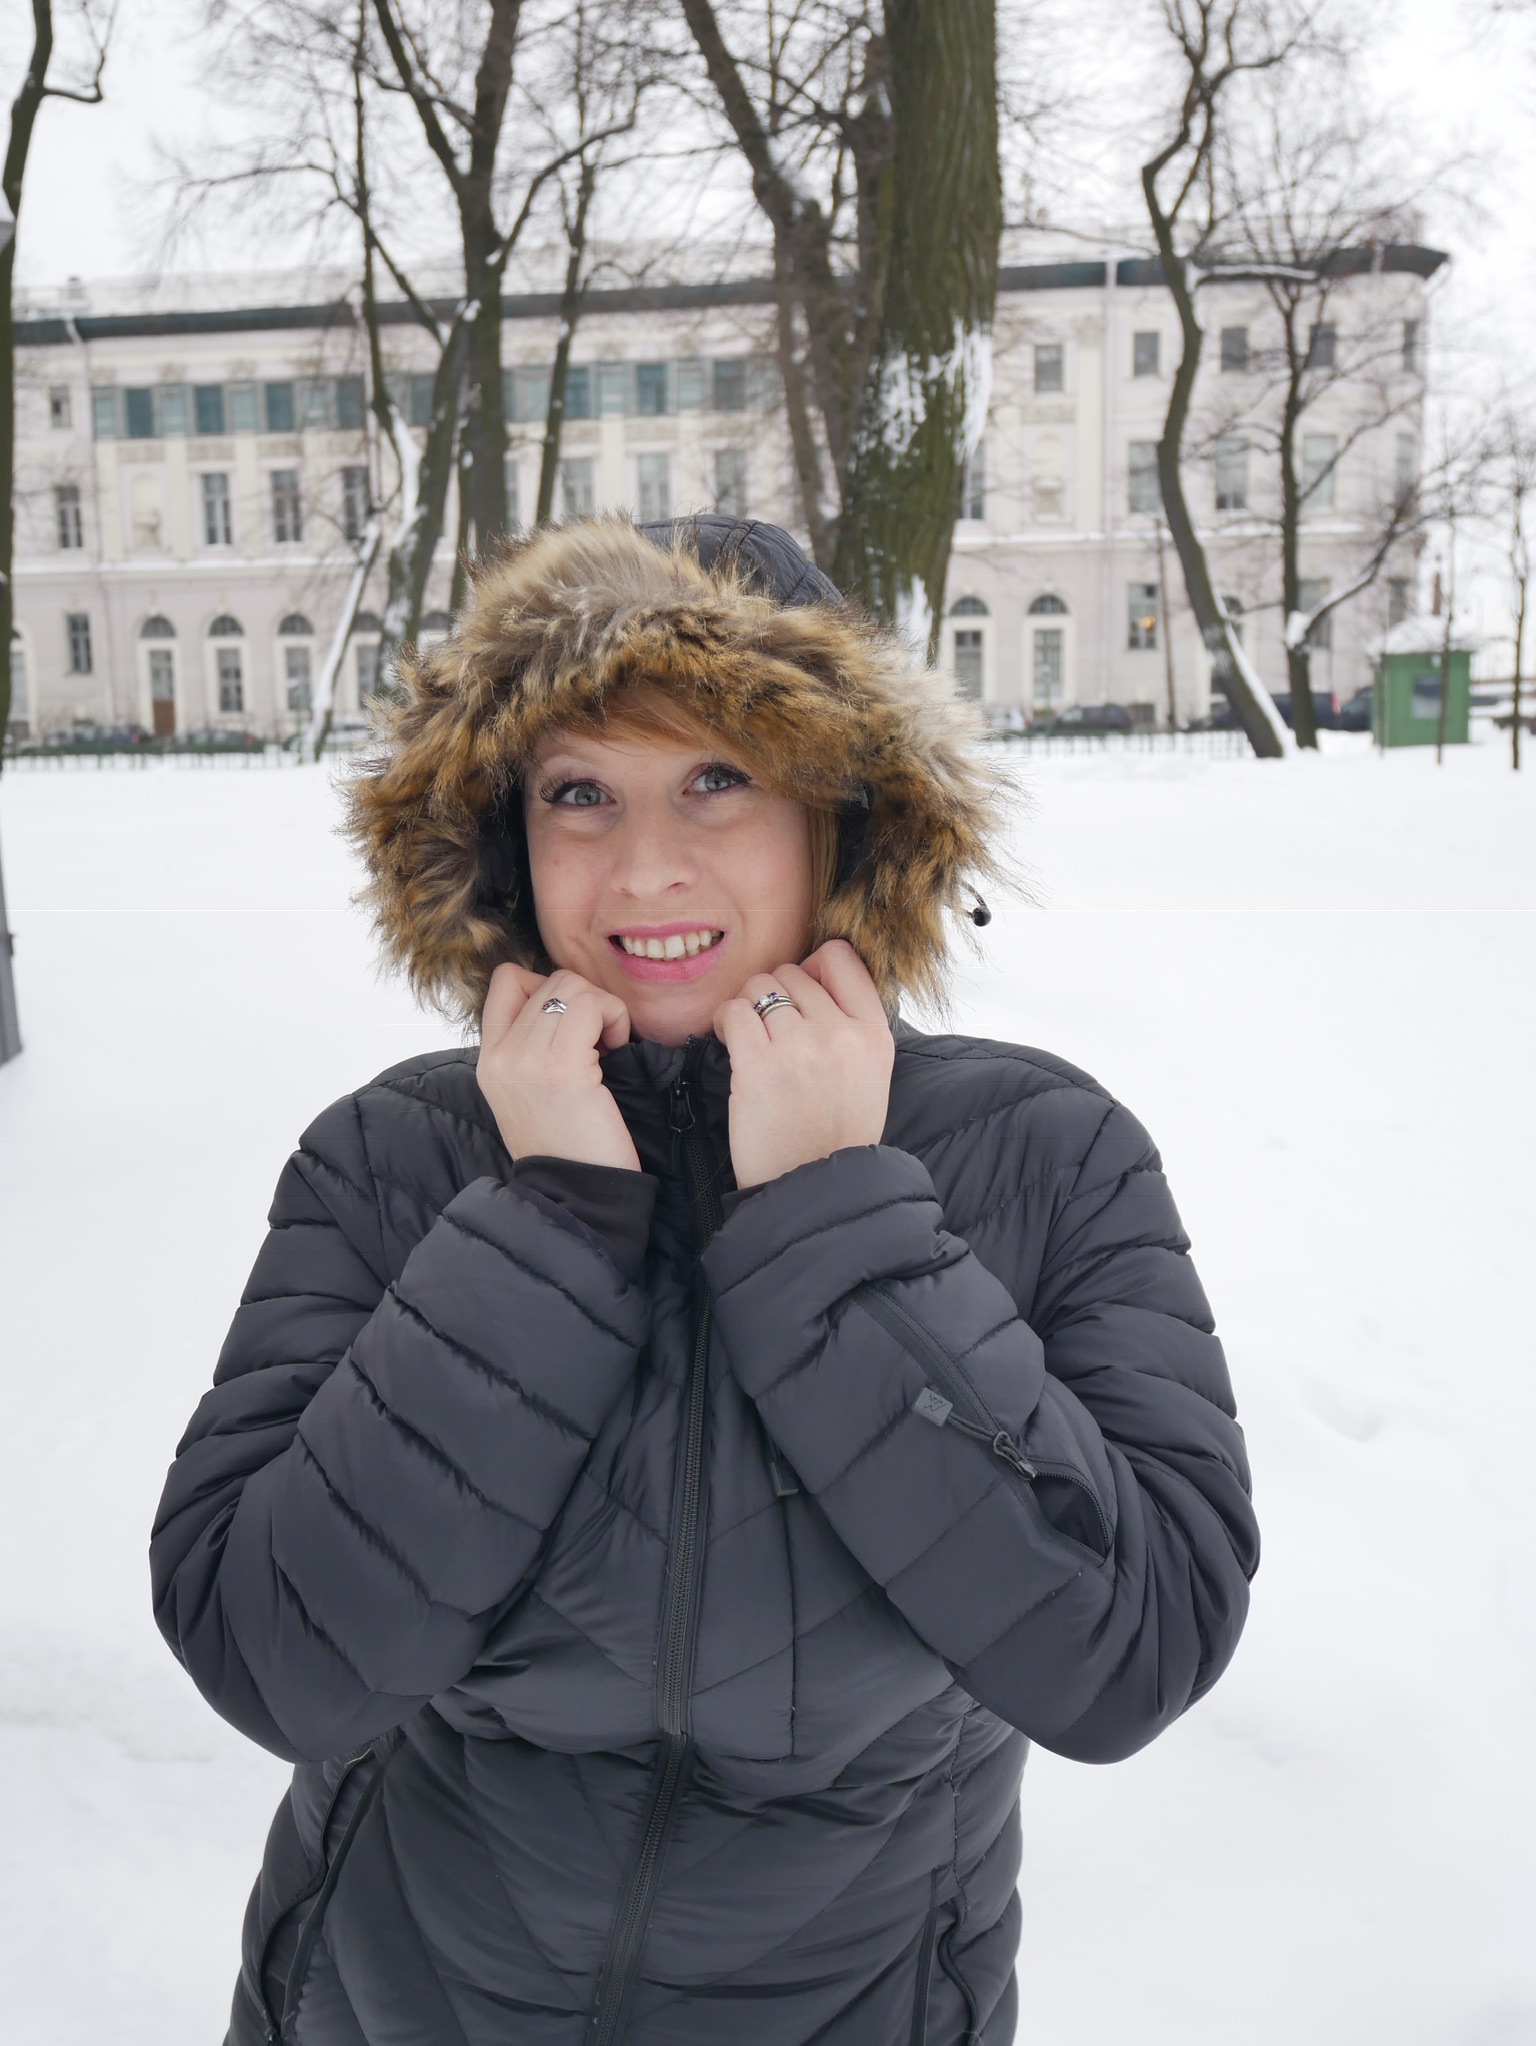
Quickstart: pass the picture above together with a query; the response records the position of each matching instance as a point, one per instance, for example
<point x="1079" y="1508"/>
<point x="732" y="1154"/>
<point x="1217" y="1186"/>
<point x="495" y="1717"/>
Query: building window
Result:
<point x="208" y="408"/>
<point x="278" y="409"/>
<point x="240" y="400"/>
<point x="1234" y="350"/>
<point x="287" y="507"/>
<point x="172" y="400"/>
<point x="578" y="391"/>
<point x="1322" y="346"/>
<point x="1229" y="460"/>
<point x="365" y="652"/>
<point x="218" y="530"/>
<point x="655" y="476"/>
<point x="435" y="627"/>
<point x="1399" y="599"/>
<point x="651" y="389"/>
<point x="1047" y="653"/>
<point x="688" y="384"/>
<point x="59" y="417"/>
<point x="612" y="388"/>
<point x="66" y="516"/>
<point x="19" y="700"/>
<point x="1319" y="470"/>
<point x="77" y="634"/>
<point x="1141" y="636"/>
<point x="1143" y="491"/>
<point x="730" y="384"/>
<point x="351" y="403"/>
<point x="231" y="681"/>
<point x="1310" y="592"/>
<point x="354" y="502"/>
<point x="1405" y="469"/>
<point x="578" y="486"/>
<point x="104" y="412"/>
<point x="969" y="661"/>
<point x="316" y="402"/>
<point x="973" y="484"/>
<point x="1410" y="344"/>
<point x="139" y="414"/>
<point x="297" y="661"/>
<point x="731" y="482"/>
<point x="1050" y="360"/>
<point x="1146" y="354"/>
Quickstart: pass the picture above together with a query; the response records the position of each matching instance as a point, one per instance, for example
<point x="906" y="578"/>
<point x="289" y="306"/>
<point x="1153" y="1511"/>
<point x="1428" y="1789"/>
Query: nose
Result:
<point x="652" y="854"/>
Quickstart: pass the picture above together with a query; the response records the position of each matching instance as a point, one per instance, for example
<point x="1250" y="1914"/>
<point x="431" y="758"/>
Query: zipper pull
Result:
<point x="680" y="1105"/>
<point x="940" y="1412"/>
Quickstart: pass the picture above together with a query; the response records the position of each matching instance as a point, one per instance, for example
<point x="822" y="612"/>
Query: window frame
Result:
<point x="1147" y="352"/>
<point x="68" y="518"/>
<point x="1144" y="620"/>
<point x="77" y="638"/>
<point x="285" y="490"/>
<point x="1049" y="369"/>
<point x="211" y="500"/>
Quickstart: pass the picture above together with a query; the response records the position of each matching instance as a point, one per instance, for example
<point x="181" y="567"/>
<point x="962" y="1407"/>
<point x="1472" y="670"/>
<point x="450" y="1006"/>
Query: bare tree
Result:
<point x="1512" y="451"/>
<point x="1318" y="208"/>
<point x="461" y="87"/>
<point x="85" y="87"/>
<point x="870" y="134"/>
<point x="1216" y="45"/>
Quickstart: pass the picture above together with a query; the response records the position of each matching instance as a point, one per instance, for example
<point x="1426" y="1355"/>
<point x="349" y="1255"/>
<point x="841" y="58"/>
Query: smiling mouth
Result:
<point x="676" y="945"/>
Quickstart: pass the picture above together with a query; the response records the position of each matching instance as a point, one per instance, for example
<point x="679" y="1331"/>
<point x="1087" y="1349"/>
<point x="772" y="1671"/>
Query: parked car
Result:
<point x="1325" y="708"/>
<point x="1084" y="717"/>
<point x="214" y="739"/>
<point x="86" y="737"/>
<point x="1356" y="714"/>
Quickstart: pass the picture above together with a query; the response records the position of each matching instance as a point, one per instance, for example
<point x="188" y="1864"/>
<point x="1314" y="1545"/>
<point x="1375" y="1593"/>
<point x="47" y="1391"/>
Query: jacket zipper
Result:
<point x="958" y="1405"/>
<point x="680" y="1612"/>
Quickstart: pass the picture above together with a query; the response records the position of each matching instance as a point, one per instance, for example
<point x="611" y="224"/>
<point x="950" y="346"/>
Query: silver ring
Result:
<point x="772" y="1000"/>
<point x="553" y="1007"/>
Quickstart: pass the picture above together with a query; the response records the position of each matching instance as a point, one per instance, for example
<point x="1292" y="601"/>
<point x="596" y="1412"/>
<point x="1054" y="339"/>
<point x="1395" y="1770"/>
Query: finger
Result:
<point x="738" y="1029"/>
<point x="757" y="987"/>
<point x="600" y="1018"/>
<point x="505" y="999"/>
<point x="839" y="969"/>
<point x="807" y="993"/>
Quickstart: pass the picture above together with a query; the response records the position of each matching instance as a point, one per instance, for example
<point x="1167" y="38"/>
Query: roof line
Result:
<point x="55" y="332"/>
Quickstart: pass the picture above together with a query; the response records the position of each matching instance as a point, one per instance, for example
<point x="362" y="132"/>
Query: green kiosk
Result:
<point x="1405" y="701"/>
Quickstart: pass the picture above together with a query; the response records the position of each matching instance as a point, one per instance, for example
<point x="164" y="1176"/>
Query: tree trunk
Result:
<point x="571" y="299"/>
<point x="1514" y="730"/>
<point x="1165" y="613"/>
<point x="421" y="527"/>
<point x="1298" y="656"/>
<point x="485" y="426"/>
<point x="925" y="396"/>
<point x="1445" y="643"/>
<point x="1230" y="672"/>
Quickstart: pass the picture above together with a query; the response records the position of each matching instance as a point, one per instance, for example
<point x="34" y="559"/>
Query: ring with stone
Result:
<point x="553" y="1007"/>
<point x="772" y="1000"/>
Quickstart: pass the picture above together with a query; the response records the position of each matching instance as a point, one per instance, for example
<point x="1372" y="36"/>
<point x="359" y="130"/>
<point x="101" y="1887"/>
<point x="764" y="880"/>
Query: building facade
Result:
<point x="192" y="484"/>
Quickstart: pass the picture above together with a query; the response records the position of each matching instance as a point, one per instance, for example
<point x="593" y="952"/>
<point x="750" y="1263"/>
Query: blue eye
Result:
<point x="717" y="777"/>
<point x="576" y="795"/>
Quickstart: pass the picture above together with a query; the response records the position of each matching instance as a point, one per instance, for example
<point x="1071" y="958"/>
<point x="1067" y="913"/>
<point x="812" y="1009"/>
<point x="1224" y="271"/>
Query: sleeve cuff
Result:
<point x="611" y="1204"/>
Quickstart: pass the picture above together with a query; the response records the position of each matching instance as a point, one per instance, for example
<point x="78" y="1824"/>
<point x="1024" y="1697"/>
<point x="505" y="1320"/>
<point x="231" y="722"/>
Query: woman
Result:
<point x="670" y="1460"/>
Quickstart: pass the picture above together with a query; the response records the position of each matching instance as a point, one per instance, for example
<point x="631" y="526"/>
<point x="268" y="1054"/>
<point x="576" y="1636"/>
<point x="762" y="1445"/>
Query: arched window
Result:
<point x="437" y="621"/>
<point x="1047" y="607"/>
<point x="296" y="626"/>
<point x="968" y="607"/>
<point x="225" y="627"/>
<point x="157" y="627"/>
<point x="367" y="621"/>
<point x="1047" y="653"/>
<point x="298" y="668"/>
<point x="228" y="666"/>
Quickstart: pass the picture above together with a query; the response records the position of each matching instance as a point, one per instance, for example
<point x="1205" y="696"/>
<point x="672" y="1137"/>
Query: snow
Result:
<point x="1314" y="981"/>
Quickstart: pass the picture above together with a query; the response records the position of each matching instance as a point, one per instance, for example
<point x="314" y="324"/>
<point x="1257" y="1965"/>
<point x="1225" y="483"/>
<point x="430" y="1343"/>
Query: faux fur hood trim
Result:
<point x="834" y="708"/>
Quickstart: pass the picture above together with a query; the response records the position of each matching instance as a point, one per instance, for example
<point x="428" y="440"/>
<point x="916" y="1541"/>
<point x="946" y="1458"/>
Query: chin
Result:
<point x="670" y="1022"/>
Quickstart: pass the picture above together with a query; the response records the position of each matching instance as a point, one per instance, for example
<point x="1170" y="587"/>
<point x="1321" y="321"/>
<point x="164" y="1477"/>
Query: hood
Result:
<point x="836" y="710"/>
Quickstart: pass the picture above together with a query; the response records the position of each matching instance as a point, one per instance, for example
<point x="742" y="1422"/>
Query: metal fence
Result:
<point x="138" y="759"/>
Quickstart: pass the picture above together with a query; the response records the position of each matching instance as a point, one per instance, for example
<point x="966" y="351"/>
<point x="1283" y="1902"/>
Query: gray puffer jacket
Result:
<point x="657" y="1586"/>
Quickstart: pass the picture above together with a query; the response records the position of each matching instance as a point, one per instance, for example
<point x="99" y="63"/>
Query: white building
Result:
<point x="191" y="482"/>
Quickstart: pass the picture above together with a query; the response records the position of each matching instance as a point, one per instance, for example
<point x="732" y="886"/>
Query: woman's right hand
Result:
<point x="540" y="1073"/>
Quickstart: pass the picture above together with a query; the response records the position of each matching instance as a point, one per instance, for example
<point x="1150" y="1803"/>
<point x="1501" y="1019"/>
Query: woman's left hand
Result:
<point x="809" y="1080"/>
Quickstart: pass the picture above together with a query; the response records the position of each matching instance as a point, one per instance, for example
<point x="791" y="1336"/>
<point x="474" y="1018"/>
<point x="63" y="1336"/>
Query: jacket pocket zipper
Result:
<point x="957" y="1404"/>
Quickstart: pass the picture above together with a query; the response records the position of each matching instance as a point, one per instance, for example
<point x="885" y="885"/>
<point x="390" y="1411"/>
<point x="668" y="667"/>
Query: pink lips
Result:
<point x="683" y="969"/>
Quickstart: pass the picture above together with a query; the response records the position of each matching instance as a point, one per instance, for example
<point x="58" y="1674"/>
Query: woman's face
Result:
<point x="646" y="846"/>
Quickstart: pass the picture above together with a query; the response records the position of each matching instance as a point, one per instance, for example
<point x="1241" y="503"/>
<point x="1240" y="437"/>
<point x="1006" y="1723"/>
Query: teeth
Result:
<point x="681" y="945"/>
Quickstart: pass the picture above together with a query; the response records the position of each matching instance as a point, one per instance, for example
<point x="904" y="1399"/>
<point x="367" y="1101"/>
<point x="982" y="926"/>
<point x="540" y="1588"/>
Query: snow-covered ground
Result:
<point x="1317" y="985"/>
